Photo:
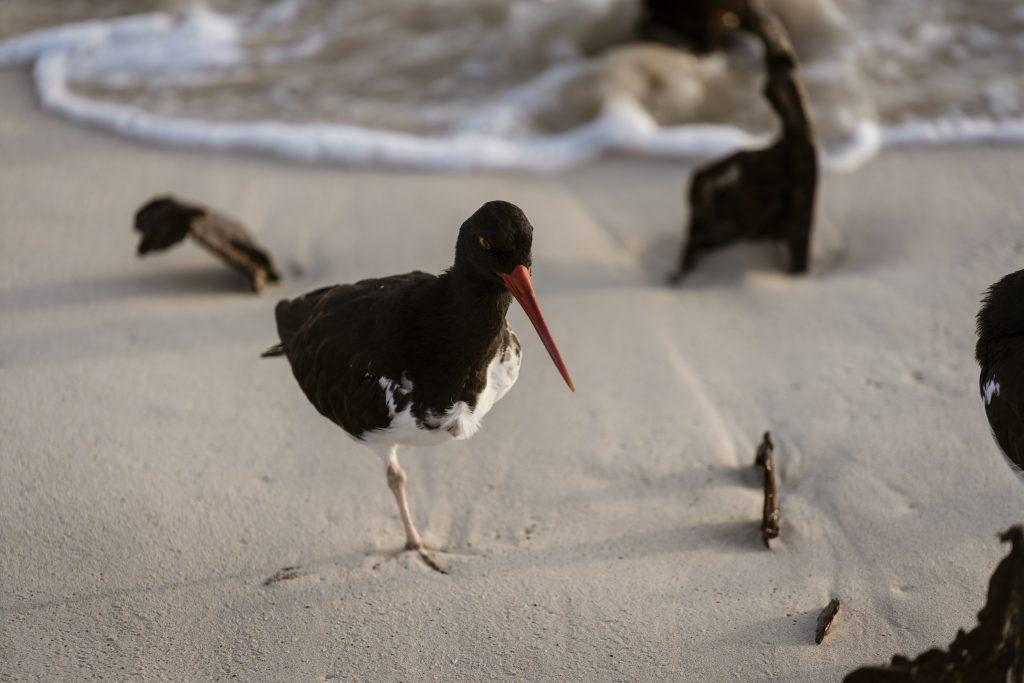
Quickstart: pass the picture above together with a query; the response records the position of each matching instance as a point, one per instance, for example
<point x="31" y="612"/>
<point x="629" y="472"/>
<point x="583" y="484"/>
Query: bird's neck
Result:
<point x="477" y="311"/>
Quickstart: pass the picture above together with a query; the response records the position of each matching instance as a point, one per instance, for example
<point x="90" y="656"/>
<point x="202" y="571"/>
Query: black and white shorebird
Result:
<point x="418" y="359"/>
<point x="1000" y="352"/>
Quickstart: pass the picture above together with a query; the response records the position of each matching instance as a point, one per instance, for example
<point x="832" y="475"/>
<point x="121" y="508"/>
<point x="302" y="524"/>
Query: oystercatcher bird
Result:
<point x="418" y="359"/>
<point x="1000" y="353"/>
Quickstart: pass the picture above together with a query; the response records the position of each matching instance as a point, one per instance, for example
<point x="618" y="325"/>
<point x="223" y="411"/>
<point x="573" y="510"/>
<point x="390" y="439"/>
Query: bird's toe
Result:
<point x="423" y="551"/>
<point x="429" y="560"/>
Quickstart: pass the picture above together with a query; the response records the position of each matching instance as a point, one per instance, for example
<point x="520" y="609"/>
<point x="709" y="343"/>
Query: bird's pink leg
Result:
<point x="396" y="482"/>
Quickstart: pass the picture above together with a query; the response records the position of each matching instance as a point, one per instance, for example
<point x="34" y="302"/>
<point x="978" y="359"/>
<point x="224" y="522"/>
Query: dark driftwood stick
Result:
<point x="825" y="620"/>
<point x="165" y="221"/>
<point x="771" y="515"/>
<point x="992" y="651"/>
<point x="765" y="194"/>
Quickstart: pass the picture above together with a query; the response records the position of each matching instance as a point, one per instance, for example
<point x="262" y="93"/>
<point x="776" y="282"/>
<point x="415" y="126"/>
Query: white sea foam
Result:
<point x="528" y="84"/>
<point x="955" y="130"/>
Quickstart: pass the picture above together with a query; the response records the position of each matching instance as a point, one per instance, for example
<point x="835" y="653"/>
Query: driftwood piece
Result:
<point x="765" y="194"/>
<point x="825" y="620"/>
<point x="771" y="515"/>
<point x="164" y="221"/>
<point x="993" y="651"/>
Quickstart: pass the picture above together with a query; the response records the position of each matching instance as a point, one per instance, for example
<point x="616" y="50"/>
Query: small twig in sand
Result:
<point x="283" y="574"/>
<point x="771" y="515"/>
<point x="825" y="620"/>
<point x="164" y="221"/>
<point x="992" y="651"/>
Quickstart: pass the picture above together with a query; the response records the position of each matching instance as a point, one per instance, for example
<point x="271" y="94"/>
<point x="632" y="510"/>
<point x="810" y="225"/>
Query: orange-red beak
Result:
<point x="520" y="285"/>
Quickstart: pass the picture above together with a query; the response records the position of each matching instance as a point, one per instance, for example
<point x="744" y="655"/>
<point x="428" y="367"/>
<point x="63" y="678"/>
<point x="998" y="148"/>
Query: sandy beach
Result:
<point x="154" y="471"/>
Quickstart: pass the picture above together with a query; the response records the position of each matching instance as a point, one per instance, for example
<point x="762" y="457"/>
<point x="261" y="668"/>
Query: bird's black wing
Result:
<point x="342" y="340"/>
<point x="292" y="314"/>
<point x="1002" y="392"/>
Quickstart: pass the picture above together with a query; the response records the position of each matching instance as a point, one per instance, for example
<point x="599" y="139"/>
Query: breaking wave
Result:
<point x="499" y="84"/>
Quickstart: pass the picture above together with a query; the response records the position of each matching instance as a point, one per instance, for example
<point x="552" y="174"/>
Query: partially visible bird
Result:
<point x="1000" y="352"/>
<point x="418" y="359"/>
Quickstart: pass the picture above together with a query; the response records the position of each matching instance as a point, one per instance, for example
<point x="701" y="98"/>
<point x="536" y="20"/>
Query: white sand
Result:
<point x="154" y="471"/>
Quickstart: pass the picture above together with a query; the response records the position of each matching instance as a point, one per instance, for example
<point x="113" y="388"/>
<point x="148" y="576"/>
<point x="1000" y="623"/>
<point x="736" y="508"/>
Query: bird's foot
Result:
<point x="427" y="554"/>
<point x="421" y="549"/>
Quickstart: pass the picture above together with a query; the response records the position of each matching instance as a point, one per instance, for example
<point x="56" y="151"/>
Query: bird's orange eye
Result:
<point x="484" y="243"/>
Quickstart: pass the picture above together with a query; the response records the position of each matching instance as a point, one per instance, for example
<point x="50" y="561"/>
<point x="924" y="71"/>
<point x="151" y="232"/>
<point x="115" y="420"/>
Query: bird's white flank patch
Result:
<point x="392" y="388"/>
<point x="990" y="390"/>
<point x="460" y="421"/>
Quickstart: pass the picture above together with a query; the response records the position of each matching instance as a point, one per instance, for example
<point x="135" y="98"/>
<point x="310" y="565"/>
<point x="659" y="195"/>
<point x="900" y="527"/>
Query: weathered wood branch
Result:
<point x="771" y="514"/>
<point x="164" y="221"/>
<point x="825" y="620"/>
<point x="991" y="652"/>
<point x="766" y="194"/>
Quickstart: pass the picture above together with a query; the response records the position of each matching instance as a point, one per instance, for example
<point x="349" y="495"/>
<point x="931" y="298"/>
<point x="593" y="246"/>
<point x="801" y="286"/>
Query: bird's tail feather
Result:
<point x="275" y="350"/>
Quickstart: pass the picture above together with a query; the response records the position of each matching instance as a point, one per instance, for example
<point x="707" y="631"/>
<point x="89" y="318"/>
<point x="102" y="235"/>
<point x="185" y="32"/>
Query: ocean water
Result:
<point x="522" y="84"/>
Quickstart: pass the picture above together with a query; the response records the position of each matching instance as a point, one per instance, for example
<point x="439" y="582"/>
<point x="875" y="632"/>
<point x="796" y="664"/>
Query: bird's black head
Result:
<point x="493" y="256"/>
<point x="493" y="241"/>
<point x="1001" y="314"/>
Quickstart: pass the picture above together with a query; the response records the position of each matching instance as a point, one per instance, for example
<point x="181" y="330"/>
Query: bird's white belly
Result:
<point x="460" y="421"/>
